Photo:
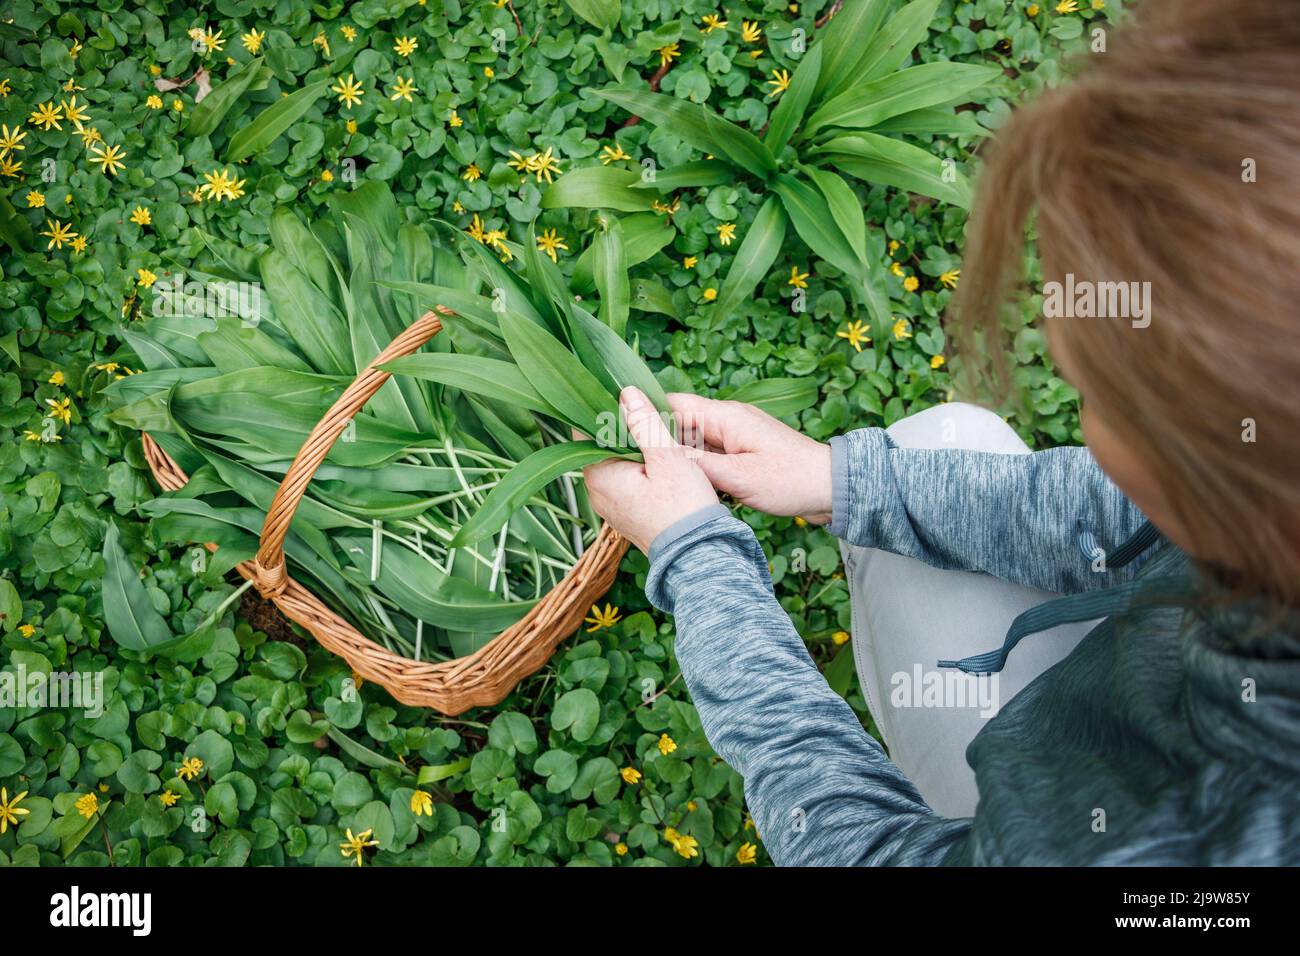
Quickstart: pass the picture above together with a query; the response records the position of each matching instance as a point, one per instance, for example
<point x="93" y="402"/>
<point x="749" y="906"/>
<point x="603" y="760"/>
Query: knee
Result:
<point x="957" y="425"/>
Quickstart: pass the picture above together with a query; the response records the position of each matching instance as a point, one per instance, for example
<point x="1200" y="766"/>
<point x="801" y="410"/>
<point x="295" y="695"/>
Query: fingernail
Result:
<point x="632" y="399"/>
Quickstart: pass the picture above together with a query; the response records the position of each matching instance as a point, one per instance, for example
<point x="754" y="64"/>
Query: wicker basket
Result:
<point x="452" y="687"/>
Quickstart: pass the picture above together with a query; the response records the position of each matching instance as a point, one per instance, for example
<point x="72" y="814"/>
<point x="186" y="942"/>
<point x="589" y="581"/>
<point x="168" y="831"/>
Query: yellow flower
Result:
<point x="212" y="41"/>
<point x="349" y="33"/>
<point x="798" y="279"/>
<point x="349" y="91"/>
<point x="1099" y="4"/>
<point x="145" y="278"/>
<point x="666" y="209"/>
<point x="154" y="69"/>
<point x="89" y="135"/>
<point x="46" y="115"/>
<point x="252" y="41"/>
<point x="612" y="154"/>
<point x="27" y="630"/>
<point x="87" y="805"/>
<point x="322" y="42"/>
<point x="856" y="334"/>
<point x="168" y="798"/>
<point x="949" y="279"/>
<point x="403" y="89"/>
<point x="154" y="102"/>
<point x="457" y="207"/>
<point x="57" y="233"/>
<point x="630" y="775"/>
<point x="75" y="49"/>
<point x="839" y="638"/>
<point x="4" y="89"/>
<point x="726" y="232"/>
<point x="550" y="242"/>
<point x="350" y="126"/>
<point x="747" y="853"/>
<point x="896" y="269"/>
<point x="405" y="46"/>
<point x="9" y="809"/>
<point x="141" y="216"/>
<point x="79" y="244"/>
<point x="668" y="53"/>
<point x="684" y="846"/>
<point x="35" y="200"/>
<point x="190" y="768"/>
<point x="326" y="176"/>
<point x="489" y="72"/>
<point x="8" y="167"/>
<point x="454" y="120"/>
<point x="900" y="330"/>
<point x="56" y="378"/>
<point x="73" y="112"/>
<point x="893" y="246"/>
<point x="750" y="31"/>
<point x="606" y="618"/>
<point x="178" y="105"/>
<point x="936" y="361"/>
<point x="620" y="849"/>
<point x="472" y="172"/>
<point x="110" y="159"/>
<point x="422" y="803"/>
<point x="710" y="294"/>
<point x="1032" y="9"/>
<point x="1067" y="6"/>
<point x="911" y="283"/>
<point x="800" y="522"/>
<point x="666" y="744"/>
<point x="689" y="262"/>
<point x="713" y="22"/>
<point x="691" y="806"/>
<point x="475" y="229"/>
<point x="12" y="138"/>
<point x="356" y="845"/>
<point x="780" y="82"/>
<point x="545" y="165"/>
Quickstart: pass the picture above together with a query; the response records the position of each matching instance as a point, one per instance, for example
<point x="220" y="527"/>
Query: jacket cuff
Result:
<point x="691" y="558"/>
<point x="684" y="525"/>
<point x="859" y="477"/>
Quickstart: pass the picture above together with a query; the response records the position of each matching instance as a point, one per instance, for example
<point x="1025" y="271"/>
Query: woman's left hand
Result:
<point x="641" y="500"/>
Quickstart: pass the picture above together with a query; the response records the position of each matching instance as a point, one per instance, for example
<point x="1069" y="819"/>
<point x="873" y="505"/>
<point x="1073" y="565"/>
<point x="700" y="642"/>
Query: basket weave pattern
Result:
<point x="451" y="687"/>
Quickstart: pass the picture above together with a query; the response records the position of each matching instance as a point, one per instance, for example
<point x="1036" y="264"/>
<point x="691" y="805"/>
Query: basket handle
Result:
<point x="267" y="567"/>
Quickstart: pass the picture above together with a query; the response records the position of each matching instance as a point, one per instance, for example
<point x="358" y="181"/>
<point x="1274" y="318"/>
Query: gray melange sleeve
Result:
<point x="1012" y="516"/>
<point x="819" y="788"/>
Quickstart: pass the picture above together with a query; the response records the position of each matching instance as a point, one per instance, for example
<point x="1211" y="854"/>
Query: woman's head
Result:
<point x="1169" y="172"/>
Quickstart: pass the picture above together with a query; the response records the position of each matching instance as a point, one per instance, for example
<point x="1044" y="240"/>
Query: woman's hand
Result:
<point x="641" y="500"/>
<point x="754" y="458"/>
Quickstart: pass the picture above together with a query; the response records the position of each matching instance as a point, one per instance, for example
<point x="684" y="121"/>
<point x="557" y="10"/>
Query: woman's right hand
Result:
<point x="756" y="459"/>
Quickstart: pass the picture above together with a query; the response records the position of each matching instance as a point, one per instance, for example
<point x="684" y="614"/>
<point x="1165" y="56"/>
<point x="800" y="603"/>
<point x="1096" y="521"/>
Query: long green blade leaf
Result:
<point x="930" y="84"/>
<point x="472" y="373"/>
<point x="129" y="614"/>
<point x="698" y="126"/>
<point x="758" y="250"/>
<point x="880" y="159"/>
<point x="528" y="477"/>
<point x="272" y="121"/>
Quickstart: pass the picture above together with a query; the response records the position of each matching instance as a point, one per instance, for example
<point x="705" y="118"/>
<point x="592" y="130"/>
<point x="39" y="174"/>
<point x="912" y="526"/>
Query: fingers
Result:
<point x="725" y="472"/>
<point x="647" y="429"/>
<point x="721" y="424"/>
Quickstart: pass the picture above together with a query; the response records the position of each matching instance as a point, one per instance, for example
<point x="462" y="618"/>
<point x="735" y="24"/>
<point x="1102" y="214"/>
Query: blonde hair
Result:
<point x="1140" y="170"/>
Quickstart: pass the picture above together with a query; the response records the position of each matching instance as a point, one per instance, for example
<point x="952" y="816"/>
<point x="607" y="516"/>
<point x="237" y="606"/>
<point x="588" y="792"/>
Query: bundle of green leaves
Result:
<point x="453" y="502"/>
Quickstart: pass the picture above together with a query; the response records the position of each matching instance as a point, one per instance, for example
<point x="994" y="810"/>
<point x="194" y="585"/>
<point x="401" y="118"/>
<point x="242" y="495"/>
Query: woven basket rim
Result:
<point x="479" y="679"/>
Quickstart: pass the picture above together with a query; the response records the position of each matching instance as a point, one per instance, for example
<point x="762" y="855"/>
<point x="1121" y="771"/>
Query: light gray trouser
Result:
<point x="908" y="615"/>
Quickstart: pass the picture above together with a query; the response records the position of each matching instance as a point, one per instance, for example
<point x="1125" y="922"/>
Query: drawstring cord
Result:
<point x="1085" y="606"/>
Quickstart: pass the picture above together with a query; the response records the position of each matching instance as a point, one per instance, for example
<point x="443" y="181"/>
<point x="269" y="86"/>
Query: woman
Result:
<point x="1132" y="607"/>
